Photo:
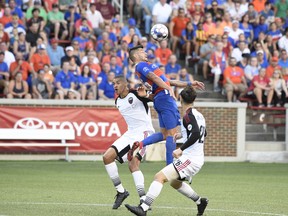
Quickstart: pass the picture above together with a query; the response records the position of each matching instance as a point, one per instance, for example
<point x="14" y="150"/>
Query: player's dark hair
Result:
<point x="188" y="94"/>
<point x="121" y="77"/>
<point x="133" y="50"/>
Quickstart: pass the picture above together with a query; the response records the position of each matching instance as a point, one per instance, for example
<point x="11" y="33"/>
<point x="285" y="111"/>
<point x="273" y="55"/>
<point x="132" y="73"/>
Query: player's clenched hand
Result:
<point x="177" y="136"/>
<point x="171" y="92"/>
<point x="198" y="85"/>
<point x="141" y="91"/>
<point x="177" y="153"/>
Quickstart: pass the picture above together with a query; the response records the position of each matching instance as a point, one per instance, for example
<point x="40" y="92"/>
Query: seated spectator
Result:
<point x="227" y="47"/>
<point x="106" y="89"/>
<point x="87" y="83"/>
<point x="129" y="35"/>
<point x="247" y="28"/>
<point x="33" y="34"/>
<point x="18" y="88"/>
<point x="3" y="35"/>
<point x="7" y="16"/>
<point x="215" y="10"/>
<point x="238" y="51"/>
<point x="48" y="75"/>
<point x="172" y="68"/>
<point x="281" y="8"/>
<point x="208" y="25"/>
<point x="14" y="24"/>
<point x="131" y="76"/>
<point x="234" y="32"/>
<point x="245" y="57"/>
<point x="103" y="75"/>
<point x="163" y="53"/>
<point x="106" y="9"/>
<point x="8" y="56"/>
<point x="135" y="41"/>
<point x="55" y="53"/>
<point x="116" y="28"/>
<point x="283" y="41"/>
<point x="260" y="87"/>
<point x="267" y="12"/>
<point x="65" y="80"/>
<point x="39" y="59"/>
<point x="15" y="9"/>
<point x="41" y="88"/>
<point x="280" y="92"/>
<point x="184" y="76"/>
<point x="251" y="70"/>
<point x="153" y="60"/>
<point x="4" y="74"/>
<point x="274" y="32"/>
<point x="21" y="66"/>
<point x="261" y="60"/>
<point x="71" y="16"/>
<point x="188" y="40"/>
<point x="69" y="53"/>
<point x="201" y="38"/>
<point x="96" y="18"/>
<point x="114" y="67"/>
<point x="161" y="12"/>
<point x="83" y="39"/>
<point x="95" y="68"/>
<point x="218" y="63"/>
<point x="21" y="46"/>
<point x="56" y="23"/>
<point x="36" y="18"/>
<point x="74" y="68"/>
<point x="260" y="27"/>
<point x="252" y="13"/>
<point x="112" y="35"/>
<point x="283" y="62"/>
<point x="37" y="4"/>
<point x="123" y="54"/>
<point x="234" y="80"/>
<point x="272" y="67"/>
<point x="85" y="57"/>
<point x="236" y="12"/>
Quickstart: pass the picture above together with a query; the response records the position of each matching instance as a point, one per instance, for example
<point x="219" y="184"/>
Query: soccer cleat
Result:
<point x="202" y="206"/>
<point x="141" y="201"/>
<point x="137" y="210"/>
<point x="131" y="151"/>
<point x="120" y="197"/>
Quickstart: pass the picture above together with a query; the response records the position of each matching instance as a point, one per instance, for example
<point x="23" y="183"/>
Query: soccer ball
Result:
<point x="159" y="32"/>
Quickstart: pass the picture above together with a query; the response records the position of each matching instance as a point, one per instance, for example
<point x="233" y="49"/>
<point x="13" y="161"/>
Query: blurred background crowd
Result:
<point x="70" y="49"/>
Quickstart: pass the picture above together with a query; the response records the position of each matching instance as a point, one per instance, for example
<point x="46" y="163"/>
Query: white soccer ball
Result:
<point x="159" y="32"/>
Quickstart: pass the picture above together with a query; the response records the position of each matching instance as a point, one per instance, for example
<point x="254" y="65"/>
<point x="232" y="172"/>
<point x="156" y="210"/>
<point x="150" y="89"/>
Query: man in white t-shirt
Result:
<point x="95" y="17"/>
<point x="235" y="31"/>
<point x="161" y="12"/>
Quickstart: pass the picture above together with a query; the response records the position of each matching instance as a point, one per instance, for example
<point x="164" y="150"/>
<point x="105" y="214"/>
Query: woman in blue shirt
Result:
<point x="86" y="82"/>
<point x="247" y="28"/>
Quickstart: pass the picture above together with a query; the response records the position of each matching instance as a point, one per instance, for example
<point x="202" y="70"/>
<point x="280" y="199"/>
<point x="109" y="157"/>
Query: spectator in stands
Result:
<point x="163" y="53"/>
<point x="15" y="9"/>
<point x="161" y="12"/>
<point x="283" y="62"/>
<point x="39" y="59"/>
<point x="172" y="68"/>
<point x="49" y="75"/>
<point x="22" y="66"/>
<point x="261" y="60"/>
<point x="245" y="58"/>
<point x="33" y="34"/>
<point x="234" y="80"/>
<point x="71" y="16"/>
<point x="208" y="25"/>
<point x="48" y="4"/>
<point x="95" y="68"/>
<point x="176" y="26"/>
<point x="147" y="14"/>
<point x="96" y="18"/>
<point x="18" y="88"/>
<point x="9" y="57"/>
<point x="274" y="32"/>
<point x="74" y="68"/>
<point x="7" y="17"/>
<point x="260" y="26"/>
<point x="106" y="9"/>
<point x="85" y="57"/>
<point x="83" y="39"/>
<point x="55" y="53"/>
<point x="267" y="12"/>
<point x="272" y="67"/>
<point x="188" y="41"/>
<point x="106" y="89"/>
<point x="123" y="54"/>
<point x="247" y="28"/>
<point x="40" y="86"/>
<point x="227" y="47"/>
<point x="281" y="8"/>
<point x="237" y="12"/>
<point x="283" y="41"/>
<point x="69" y="53"/>
<point x="36" y="18"/>
<point x="126" y="29"/>
<point x="205" y="54"/>
<point x="252" y="14"/>
<point x="37" y="4"/>
<point x="235" y="32"/>
<point x="135" y="41"/>
<point x="103" y="76"/>
<point x="14" y="24"/>
<point x="184" y="76"/>
<point x="218" y="62"/>
<point x="251" y="70"/>
<point x="3" y="35"/>
<point x="280" y="92"/>
<point x="4" y="74"/>
<point x="114" y="67"/>
<point x="56" y="23"/>
<point x="21" y="46"/>
<point x="215" y="10"/>
<point x="65" y="80"/>
<point x="87" y="83"/>
<point x="238" y="51"/>
<point x="64" y="4"/>
<point x="201" y="38"/>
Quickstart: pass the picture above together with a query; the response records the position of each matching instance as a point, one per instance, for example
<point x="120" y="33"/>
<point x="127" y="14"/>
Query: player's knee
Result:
<point x="160" y="177"/>
<point x="134" y="164"/>
<point x="109" y="156"/>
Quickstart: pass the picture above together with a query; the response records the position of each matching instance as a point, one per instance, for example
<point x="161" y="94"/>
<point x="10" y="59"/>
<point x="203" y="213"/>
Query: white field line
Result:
<point x="160" y="207"/>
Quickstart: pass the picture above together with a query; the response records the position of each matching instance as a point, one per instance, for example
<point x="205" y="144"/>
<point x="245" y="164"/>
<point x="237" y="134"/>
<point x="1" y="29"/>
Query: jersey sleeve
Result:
<point x="143" y="68"/>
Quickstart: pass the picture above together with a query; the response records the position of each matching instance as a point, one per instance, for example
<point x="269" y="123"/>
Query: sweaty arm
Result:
<point x="158" y="81"/>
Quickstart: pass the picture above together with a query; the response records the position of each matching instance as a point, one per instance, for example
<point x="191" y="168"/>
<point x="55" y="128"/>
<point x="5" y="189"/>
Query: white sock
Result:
<point x="187" y="191"/>
<point x="153" y="192"/>
<point x="139" y="182"/>
<point x="112" y="171"/>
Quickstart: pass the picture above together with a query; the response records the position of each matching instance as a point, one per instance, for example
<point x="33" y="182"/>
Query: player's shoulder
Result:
<point x="142" y="65"/>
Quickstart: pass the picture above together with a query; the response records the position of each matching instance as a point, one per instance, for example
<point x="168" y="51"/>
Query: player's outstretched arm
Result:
<point x="181" y="84"/>
<point x="141" y="91"/>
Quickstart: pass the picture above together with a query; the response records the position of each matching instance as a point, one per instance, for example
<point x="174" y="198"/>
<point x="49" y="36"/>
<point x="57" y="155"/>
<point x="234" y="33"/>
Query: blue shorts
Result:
<point x="167" y="110"/>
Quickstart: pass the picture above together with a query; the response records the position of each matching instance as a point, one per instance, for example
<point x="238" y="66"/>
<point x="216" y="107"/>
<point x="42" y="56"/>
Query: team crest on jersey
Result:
<point x="130" y="100"/>
<point x="189" y="127"/>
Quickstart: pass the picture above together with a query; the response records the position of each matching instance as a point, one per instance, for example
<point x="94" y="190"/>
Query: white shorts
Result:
<point x="184" y="167"/>
<point x="125" y="142"/>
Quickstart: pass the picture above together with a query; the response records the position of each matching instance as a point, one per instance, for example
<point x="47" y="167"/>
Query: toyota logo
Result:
<point x="30" y="123"/>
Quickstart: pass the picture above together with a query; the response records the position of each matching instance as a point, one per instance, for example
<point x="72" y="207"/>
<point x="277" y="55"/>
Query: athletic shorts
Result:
<point x="125" y="142"/>
<point x="185" y="168"/>
<point x="167" y="110"/>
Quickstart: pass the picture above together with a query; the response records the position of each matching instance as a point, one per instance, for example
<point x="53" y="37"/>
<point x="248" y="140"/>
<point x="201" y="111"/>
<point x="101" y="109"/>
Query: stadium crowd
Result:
<point x="71" y="49"/>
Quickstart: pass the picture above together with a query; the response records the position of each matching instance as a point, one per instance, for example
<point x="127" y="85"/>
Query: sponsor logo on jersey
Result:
<point x="130" y="100"/>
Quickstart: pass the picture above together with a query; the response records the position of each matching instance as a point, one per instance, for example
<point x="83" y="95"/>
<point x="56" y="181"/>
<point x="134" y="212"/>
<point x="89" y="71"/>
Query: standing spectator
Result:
<point x="87" y="83"/>
<point x="40" y="86"/>
<point x="161" y="12"/>
<point x="106" y="9"/>
<point x="55" y="53"/>
<point x="65" y="80"/>
<point x="56" y="22"/>
<point x="205" y="54"/>
<point x="71" y="16"/>
<point x="4" y="74"/>
<point x="8" y="57"/>
<point x="106" y="89"/>
<point x="18" y="88"/>
<point x="283" y="41"/>
<point x="172" y="68"/>
<point x="163" y="53"/>
<point x="22" y="66"/>
<point x="147" y="14"/>
<point x="234" y="80"/>
<point x="177" y="25"/>
<point x="96" y="18"/>
<point x="39" y="59"/>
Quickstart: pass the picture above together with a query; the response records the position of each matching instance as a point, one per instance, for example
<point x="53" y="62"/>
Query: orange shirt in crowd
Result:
<point x="163" y="55"/>
<point x="39" y="61"/>
<point x="235" y="74"/>
<point x="270" y="70"/>
<point x="179" y="25"/>
<point x="259" y="5"/>
<point x="216" y="30"/>
<point x="25" y="68"/>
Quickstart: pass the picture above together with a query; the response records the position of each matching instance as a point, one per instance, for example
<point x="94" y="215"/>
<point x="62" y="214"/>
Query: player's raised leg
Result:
<point x="111" y="167"/>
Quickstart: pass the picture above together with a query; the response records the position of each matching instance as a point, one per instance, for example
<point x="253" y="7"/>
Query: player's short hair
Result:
<point x="188" y="94"/>
<point x="133" y="50"/>
<point x="121" y="77"/>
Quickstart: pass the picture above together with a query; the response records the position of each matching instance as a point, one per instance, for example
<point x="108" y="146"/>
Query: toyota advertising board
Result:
<point x="95" y="128"/>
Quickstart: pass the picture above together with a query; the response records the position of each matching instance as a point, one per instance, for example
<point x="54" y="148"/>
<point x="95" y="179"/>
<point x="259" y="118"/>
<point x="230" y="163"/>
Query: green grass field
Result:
<point x="83" y="188"/>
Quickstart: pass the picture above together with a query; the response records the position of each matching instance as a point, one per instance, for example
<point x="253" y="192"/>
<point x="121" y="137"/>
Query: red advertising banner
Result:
<point x="95" y="128"/>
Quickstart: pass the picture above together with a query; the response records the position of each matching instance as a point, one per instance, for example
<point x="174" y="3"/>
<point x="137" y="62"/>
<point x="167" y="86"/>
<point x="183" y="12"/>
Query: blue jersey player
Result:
<point x="158" y="84"/>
